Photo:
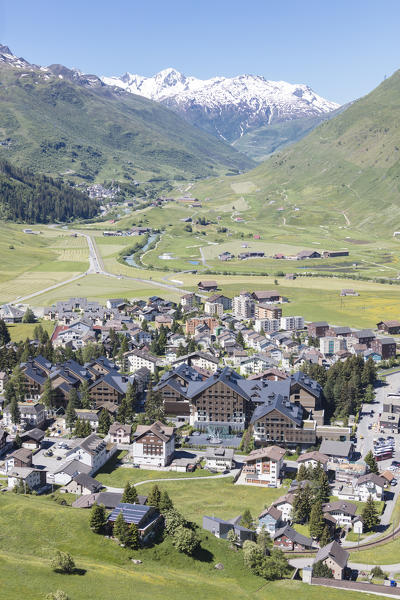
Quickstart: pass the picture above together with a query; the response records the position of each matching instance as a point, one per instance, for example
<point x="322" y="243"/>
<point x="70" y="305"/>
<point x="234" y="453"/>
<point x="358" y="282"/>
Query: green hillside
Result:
<point x="56" y="124"/>
<point x="345" y="174"/>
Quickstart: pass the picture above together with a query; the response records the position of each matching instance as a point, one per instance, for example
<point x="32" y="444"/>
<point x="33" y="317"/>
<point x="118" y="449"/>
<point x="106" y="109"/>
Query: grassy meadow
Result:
<point x="105" y="569"/>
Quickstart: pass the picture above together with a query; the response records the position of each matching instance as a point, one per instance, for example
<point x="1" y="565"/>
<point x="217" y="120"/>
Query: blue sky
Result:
<point x="342" y="49"/>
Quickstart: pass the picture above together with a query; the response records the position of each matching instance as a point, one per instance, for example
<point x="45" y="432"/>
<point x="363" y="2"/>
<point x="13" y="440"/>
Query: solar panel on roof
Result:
<point x="132" y="513"/>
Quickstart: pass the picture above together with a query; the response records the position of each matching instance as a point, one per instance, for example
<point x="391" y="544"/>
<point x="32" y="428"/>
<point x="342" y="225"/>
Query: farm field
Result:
<point x="33" y="262"/>
<point x="106" y="571"/>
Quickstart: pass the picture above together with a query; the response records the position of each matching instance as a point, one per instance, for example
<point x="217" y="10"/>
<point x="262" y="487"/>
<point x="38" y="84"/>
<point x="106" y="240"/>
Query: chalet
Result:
<point x="263" y="466"/>
<point x="335" y="557"/>
<point x="192" y="324"/>
<point x="219" y="459"/>
<point x="109" y="388"/>
<point x="146" y="518"/>
<point x="342" y="511"/>
<point x="270" y="520"/>
<point x="267" y="296"/>
<point x="207" y="286"/>
<point x="391" y="327"/>
<point x="163" y="321"/>
<point x="312" y="459"/>
<point x="82" y="483"/>
<point x="221" y="299"/>
<point x="11" y="314"/>
<point x="385" y="347"/>
<point x="285" y="505"/>
<point x="334" y="253"/>
<point x="120" y="433"/>
<point x="306" y="254"/>
<point x="19" y="458"/>
<point x="220" y="529"/>
<point x="202" y="360"/>
<point x="370" y="485"/>
<point x="287" y="538"/>
<point x="118" y="303"/>
<point x="67" y="471"/>
<point x="32" y="414"/>
<point x="337" y="451"/>
<point x="364" y="336"/>
<point x="32" y="439"/>
<point x="137" y="359"/>
<point x="338" y="332"/>
<point x="317" y="329"/>
<point x="92" y="451"/>
<point x="153" y="444"/>
<point x="31" y="478"/>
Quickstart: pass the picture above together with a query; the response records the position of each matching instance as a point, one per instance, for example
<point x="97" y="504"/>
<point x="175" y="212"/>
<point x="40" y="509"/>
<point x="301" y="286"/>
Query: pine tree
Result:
<point x="370" y="515"/>
<point x="302" y="503"/>
<point x="154" y="497"/>
<point x="165" y="503"/>
<point x="154" y="407"/>
<point x="47" y="396"/>
<point x="104" y="422"/>
<point x="70" y="415"/>
<point x="264" y="541"/>
<point x="302" y="473"/>
<point x="15" y="412"/>
<point x="78" y="428"/>
<point x="74" y="398"/>
<point x="247" y="519"/>
<point x="239" y="339"/>
<point x="130" y="494"/>
<point x="322" y="490"/>
<point x="85" y="395"/>
<point x="317" y="522"/>
<point x="29" y="316"/>
<point x="120" y="530"/>
<point x="97" y="518"/>
<point x="325" y="538"/>
<point x="4" y="333"/>
<point x="17" y="441"/>
<point x="371" y="462"/>
<point x="132" y="537"/>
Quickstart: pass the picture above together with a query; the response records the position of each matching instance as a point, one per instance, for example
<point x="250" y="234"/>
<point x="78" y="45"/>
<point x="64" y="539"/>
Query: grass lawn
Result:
<point x="21" y="331"/>
<point x="33" y="527"/>
<point x="121" y="475"/>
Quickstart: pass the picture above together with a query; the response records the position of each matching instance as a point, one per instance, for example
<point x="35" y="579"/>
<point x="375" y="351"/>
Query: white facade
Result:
<point x="286" y="509"/>
<point x="32" y="414"/>
<point x="219" y="459"/>
<point x="368" y="488"/>
<point x="31" y="477"/>
<point x="267" y="325"/>
<point x="243" y="306"/>
<point x="291" y="323"/>
<point x="213" y="309"/>
<point x="138" y="360"/>
<point x="143" y="455"/>
<point x="93" y="451"/>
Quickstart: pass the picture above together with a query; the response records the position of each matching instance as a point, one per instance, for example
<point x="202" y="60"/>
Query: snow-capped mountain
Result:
<point x="227" y="107"/>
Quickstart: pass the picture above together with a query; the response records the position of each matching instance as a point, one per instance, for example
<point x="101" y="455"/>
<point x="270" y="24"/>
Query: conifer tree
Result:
<point x="325" y="537"/>
<point x="85" y="395"/>
<point x="317" y="522"/>
<point x="104" y="422"/>
<point x="70" y="415"/>
<point x="165" y="503"/>
<point x="370" y="515"/>
<point x="47" y="396"/>
<point x="15" y="412"/>
<point x="74" y="398"/>
<point x="247" y="519"/>
<point x="322" y="490"/>
<point x="302" y="473"/>
<point x="132" y="537"/>
<point x="371" y="462"/>
<point x="154" y="497"/>
<point x="130" y="494"/>
<point x="4" y="333"/>
<point x="120" y="530"/>
<point x="97" y="519"/>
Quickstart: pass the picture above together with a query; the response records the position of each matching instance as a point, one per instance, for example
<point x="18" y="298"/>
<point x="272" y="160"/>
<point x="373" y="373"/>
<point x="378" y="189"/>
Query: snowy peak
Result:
<point x="227" y="107"/>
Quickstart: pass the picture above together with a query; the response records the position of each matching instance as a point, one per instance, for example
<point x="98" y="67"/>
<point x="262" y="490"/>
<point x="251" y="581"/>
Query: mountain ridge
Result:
<point x="211" y="104"/>
<point x="60" y="121"/>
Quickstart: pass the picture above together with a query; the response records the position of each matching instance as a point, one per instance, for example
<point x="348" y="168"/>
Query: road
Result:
<point x="96" y="266"/>
<point x="299" y="563"/>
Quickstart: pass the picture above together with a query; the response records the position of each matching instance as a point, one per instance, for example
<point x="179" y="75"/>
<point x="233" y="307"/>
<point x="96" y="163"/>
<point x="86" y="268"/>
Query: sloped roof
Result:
<point x="334" y="551"/>
<point x="293" y="535"/>
<point x="271" y="452"/>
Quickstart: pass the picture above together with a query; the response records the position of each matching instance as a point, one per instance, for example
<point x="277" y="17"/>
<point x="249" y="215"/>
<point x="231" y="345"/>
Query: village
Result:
<point x="211" y="387"/>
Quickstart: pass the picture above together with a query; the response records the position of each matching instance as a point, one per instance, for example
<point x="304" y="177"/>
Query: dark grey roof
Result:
<point x="334" y="551"/>
<point x="306" y="382"/>
<point x="73" y="467"/>
<point x="343" y="506"/>
<point x="88" y="482"/>
<point x="34" y="434"/>
<point x="293" y="535"/>
<point x="332" y="448"/>
<point x="285" y="407"/>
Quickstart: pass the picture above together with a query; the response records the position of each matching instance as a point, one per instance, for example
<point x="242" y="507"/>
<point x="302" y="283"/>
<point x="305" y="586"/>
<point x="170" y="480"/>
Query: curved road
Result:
<point x="120" y="490"/>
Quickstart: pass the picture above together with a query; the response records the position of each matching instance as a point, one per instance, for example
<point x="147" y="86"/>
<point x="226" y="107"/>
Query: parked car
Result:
<point x="393" y="482"/>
